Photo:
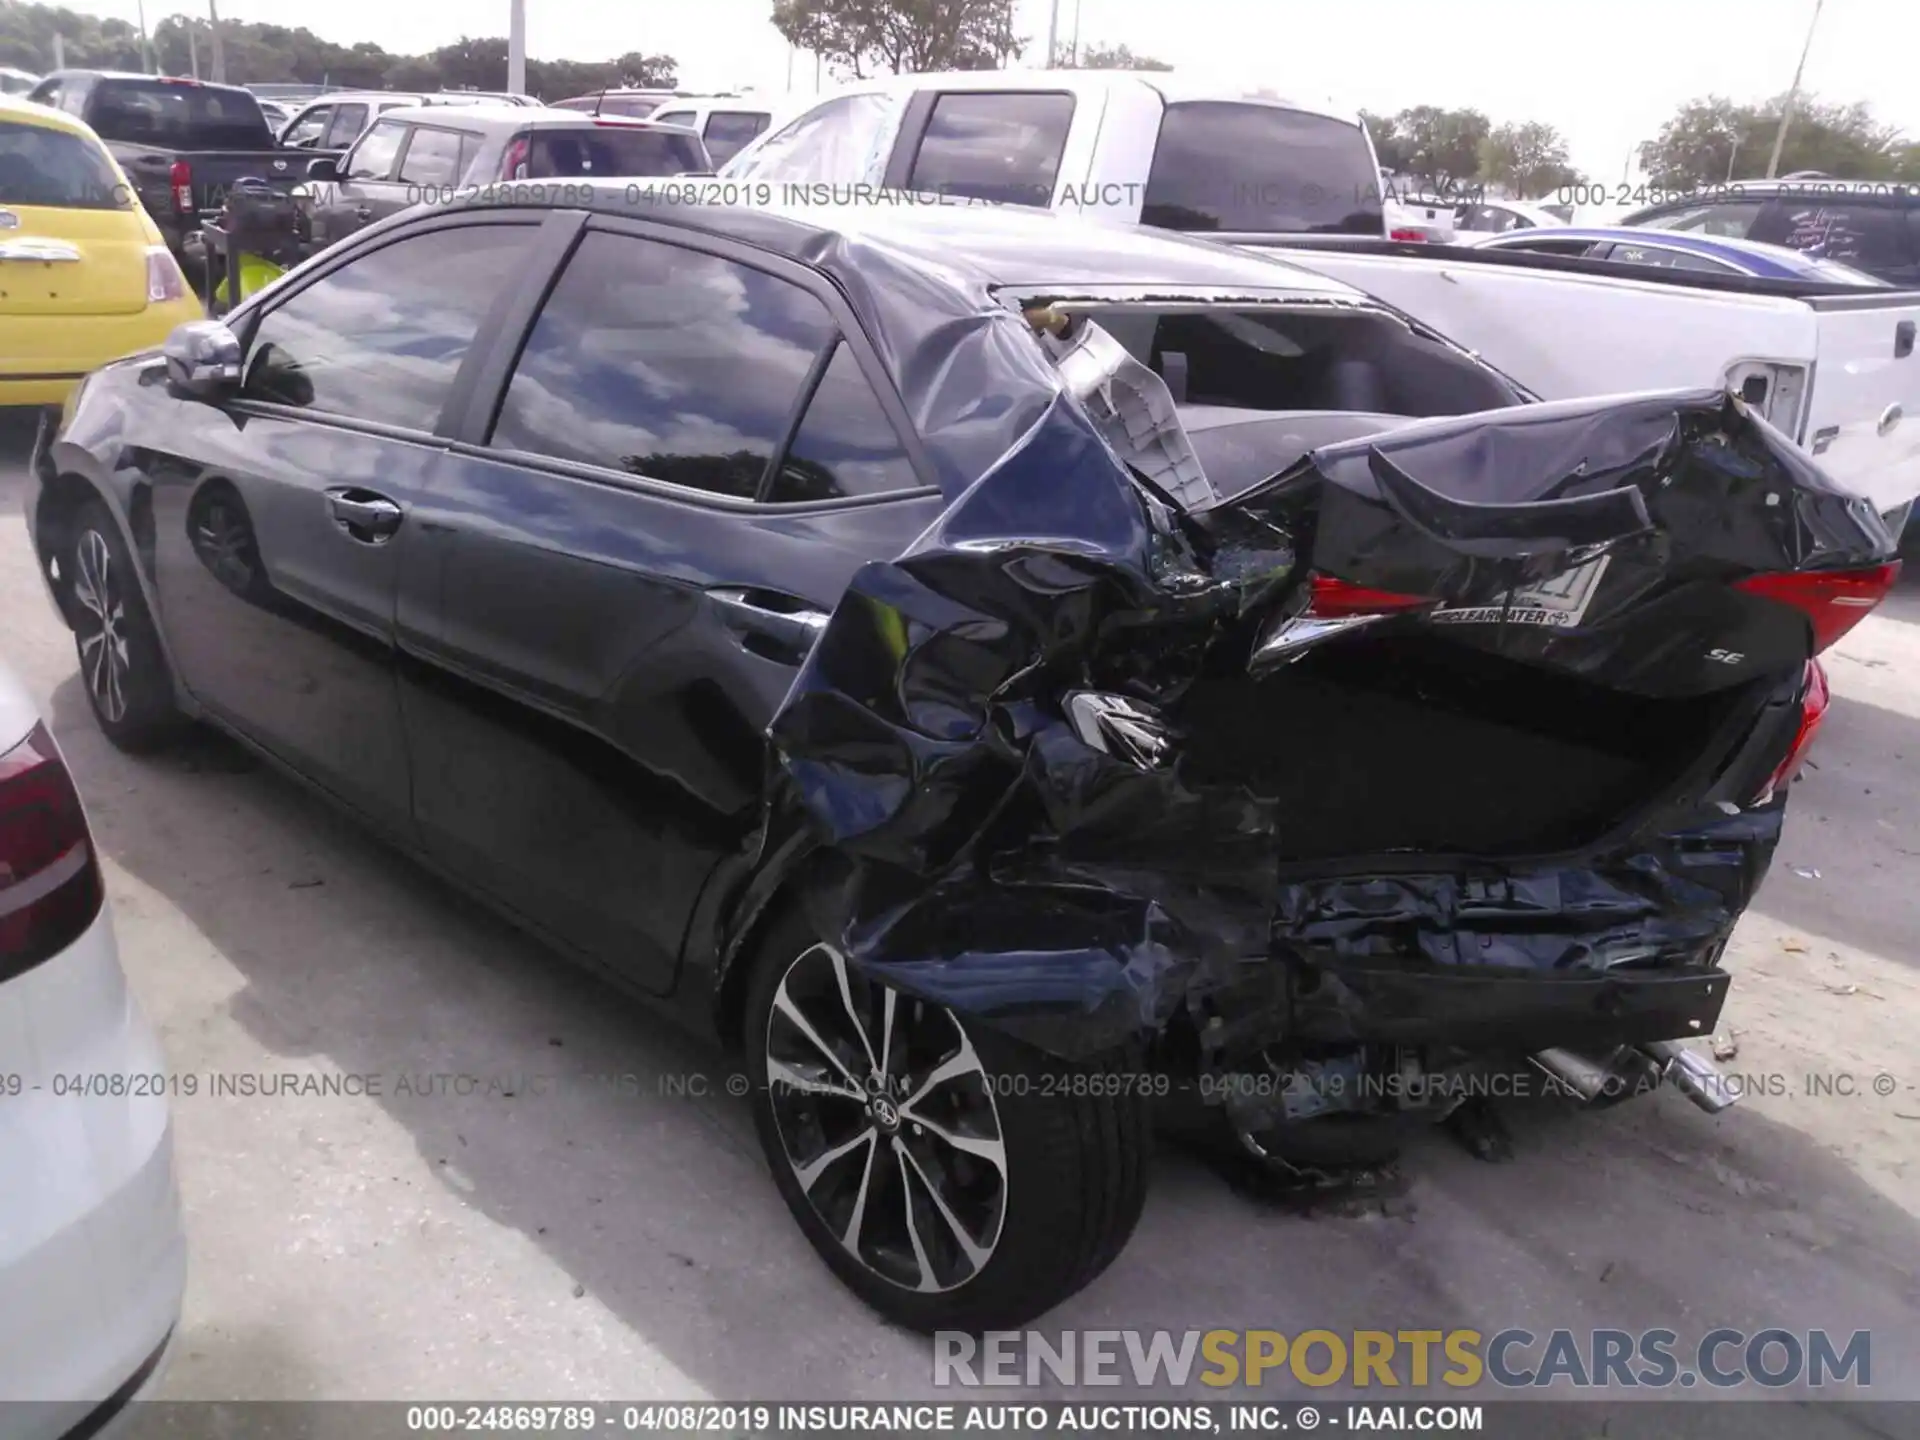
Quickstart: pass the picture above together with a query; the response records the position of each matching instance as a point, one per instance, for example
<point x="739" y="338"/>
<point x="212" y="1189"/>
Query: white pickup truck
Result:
<point x="1831" y="366"/>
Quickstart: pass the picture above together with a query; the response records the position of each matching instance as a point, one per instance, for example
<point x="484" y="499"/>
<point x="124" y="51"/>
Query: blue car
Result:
<point x="1710" y="254"/>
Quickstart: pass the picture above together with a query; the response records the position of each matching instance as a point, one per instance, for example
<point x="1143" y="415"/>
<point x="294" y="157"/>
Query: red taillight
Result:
<point x="1834" y="601"/>
<point x="1813" y="709"/>
<point x="1334" y="599"/>
<point x="180" y="177"/>
<point x="50" y="887"/>
<point x="1404" y="233"/>
<point x="516" y="159"/>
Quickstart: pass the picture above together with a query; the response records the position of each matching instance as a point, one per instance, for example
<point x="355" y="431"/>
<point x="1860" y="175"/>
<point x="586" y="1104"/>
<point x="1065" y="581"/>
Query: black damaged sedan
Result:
<point x="1003" y="675"/>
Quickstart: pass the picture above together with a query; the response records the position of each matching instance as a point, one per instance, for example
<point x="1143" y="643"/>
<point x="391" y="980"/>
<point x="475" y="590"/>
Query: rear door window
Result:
<point x="846" y="445"/>
<point x="42" y="166"/>
<point x="1262" y="169"/>
<point x="609" y="150"/>
<point x="373" y="157"/>
<point x="729" y="130"/>
<point x="311" y="127"/>
<point x="470" y="144"/>
<point x="1626" y="253"/>
<point x="986" y="146"/>
<point x="432" y="158"/>
<point x="348" y="122"/>
<point x="664" y="362"/>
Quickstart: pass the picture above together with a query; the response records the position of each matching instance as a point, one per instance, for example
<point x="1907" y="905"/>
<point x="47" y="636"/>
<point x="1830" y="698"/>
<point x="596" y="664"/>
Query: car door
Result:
<point x="280" y="517"/>
<point x="615" y="583"/>
<point x="368" y="186"/>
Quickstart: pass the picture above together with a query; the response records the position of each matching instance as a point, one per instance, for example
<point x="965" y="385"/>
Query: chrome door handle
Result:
<point x="775" y="617"/>
<point x="364" y="516"/>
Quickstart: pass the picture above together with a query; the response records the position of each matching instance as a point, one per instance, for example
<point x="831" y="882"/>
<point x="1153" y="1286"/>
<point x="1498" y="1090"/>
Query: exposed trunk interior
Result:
<point x="1411" y="742"/>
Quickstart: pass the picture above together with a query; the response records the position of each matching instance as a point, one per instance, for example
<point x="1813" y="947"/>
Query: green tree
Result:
<point x="27" y="31"/>
<point x="869" y="36"/>
<point x="258" y="54"/>
<point x="1388" y="144"/>
<point x="1529" y="158"/>
<point x="1440" y="147"/>
<point x="1712" y="140"/>
<point x="1105" y="57"/>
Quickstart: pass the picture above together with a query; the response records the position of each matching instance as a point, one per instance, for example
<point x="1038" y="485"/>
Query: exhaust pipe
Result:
<point x="1696" y="1077"/>
<point x="1632" y="1069"/>
<point x="1586" y="1079"/>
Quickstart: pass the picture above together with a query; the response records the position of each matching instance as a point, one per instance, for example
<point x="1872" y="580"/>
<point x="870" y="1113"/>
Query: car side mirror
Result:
<point x="203" y="360"/>
<point x="325" y="168"/>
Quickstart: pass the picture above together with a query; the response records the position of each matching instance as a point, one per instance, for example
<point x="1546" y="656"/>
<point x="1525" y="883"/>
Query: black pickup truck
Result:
<point x="181" y="142"/>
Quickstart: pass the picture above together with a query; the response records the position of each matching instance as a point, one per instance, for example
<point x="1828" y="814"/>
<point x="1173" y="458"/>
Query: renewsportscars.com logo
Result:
<point x="1721" y="1359"/>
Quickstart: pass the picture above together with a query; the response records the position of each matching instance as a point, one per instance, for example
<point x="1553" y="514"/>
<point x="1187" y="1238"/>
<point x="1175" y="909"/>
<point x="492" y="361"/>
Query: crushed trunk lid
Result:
<point x="991" y="746"/>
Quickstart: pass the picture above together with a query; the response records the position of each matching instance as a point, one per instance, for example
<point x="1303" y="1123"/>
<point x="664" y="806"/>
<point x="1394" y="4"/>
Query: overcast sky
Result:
<point x="1606" y="75"/>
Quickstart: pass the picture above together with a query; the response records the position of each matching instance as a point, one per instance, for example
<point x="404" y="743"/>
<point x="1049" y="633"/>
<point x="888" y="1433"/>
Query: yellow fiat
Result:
<point x="84" y="274"/>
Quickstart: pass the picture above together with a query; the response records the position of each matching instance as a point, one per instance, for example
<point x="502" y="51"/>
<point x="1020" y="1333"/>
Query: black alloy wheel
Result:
<point x="950" y="1176"/>
<point x="122" y="666"/>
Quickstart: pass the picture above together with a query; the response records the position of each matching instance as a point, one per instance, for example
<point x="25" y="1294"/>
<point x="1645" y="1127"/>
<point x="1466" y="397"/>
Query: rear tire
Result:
<point x="1047" y="1183"/>
<point x="122" y="667"/>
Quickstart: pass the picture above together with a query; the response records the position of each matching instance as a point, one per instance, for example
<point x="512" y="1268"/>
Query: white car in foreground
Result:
<point x="92" y="1254"/>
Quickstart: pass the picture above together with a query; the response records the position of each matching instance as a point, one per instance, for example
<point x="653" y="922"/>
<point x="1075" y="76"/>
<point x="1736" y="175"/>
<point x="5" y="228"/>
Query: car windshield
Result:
<point x="613" y="150"/>
<point x="180" y="115"/>
<point x="42" y="166"/>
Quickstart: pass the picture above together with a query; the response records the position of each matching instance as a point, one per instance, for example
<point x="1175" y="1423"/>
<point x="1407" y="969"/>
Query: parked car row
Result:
<point x="182" y="143"/>
<point x="432" y="153"/>
<point x="1828" y="361"/>
<point x="1682" y="250"/>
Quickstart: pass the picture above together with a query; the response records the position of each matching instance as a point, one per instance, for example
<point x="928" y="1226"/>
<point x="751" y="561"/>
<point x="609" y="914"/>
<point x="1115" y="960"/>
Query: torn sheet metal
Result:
<point x="1132" y="408"/>
<point x="989" y="854"/>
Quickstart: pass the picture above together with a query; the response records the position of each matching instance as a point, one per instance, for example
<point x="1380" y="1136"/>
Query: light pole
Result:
<point x="517" y="46"/>
<point x="1793" y="94"/>
<point x="1733" y="155"/>
<point x="1073" y="54"/>
<point x="1053" y="33"/>
<point x="219" y="50"/>
<point x="146" y="50"/>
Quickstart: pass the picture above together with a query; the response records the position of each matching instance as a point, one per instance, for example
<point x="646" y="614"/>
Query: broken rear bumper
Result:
<point x="1407" y="1005"/>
